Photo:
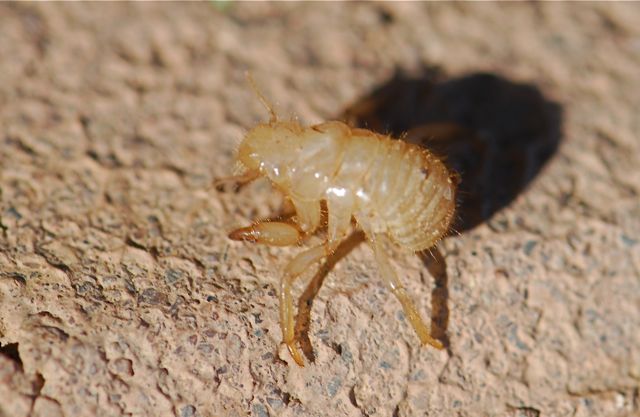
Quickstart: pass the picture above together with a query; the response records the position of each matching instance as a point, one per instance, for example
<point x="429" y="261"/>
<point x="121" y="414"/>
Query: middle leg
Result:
<point x="339" y="216"/>
<point x="293" y="270"/>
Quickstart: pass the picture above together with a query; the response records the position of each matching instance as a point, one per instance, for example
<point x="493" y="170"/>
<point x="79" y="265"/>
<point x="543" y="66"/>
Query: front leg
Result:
<point x="269" y="233"/>
<point x="236" y="181"/>
<point x="277" y="233"/>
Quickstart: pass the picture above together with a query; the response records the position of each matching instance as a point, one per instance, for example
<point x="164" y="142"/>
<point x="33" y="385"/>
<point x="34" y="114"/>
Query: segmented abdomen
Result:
<point x="409" y="192"/>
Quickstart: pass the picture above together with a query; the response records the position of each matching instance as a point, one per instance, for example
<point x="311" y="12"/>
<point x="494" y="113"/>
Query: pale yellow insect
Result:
<point x="394" y="190"/>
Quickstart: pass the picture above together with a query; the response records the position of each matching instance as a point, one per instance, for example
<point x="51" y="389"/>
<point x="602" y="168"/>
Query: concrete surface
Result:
<point x="120" y="293"/>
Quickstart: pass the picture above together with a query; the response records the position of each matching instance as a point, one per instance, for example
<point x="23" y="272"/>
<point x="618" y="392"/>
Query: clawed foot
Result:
<point x="295" y="353"/>
<point x="433" y="342"/>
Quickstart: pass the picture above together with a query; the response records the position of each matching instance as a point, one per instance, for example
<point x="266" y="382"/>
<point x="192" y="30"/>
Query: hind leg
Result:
<point x="394" y="284"/>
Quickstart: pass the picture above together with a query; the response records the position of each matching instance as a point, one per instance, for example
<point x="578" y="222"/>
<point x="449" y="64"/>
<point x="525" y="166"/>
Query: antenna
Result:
<point x="273" y="117"/>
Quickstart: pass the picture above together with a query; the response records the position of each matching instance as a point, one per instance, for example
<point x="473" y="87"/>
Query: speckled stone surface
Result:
<point x="120" y="293"/>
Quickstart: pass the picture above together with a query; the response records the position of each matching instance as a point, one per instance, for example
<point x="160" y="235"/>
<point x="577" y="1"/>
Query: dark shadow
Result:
<point x="495" y="133"/>
<point x="435" y="264"/>
<point x="305" y="302"/>
<point x="10" y="350"/>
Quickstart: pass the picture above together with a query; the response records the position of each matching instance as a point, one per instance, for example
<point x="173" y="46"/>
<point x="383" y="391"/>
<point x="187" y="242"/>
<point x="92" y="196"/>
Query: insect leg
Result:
<point x="394" y="284"/>
<point x="308" y="214"/>
<point x="268" y="233"/>
<point x="293" y="270"/>
<point x="287" y="210"/>
<point x="236" y="180"/>
<point x="339" y="207"/>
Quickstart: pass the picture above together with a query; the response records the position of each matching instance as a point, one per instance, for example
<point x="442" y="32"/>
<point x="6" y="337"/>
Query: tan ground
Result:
<point x="120" y="293"/>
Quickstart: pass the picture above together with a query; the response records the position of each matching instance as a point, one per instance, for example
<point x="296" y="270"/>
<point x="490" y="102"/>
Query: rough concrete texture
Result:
<point x="120" y="293"/>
